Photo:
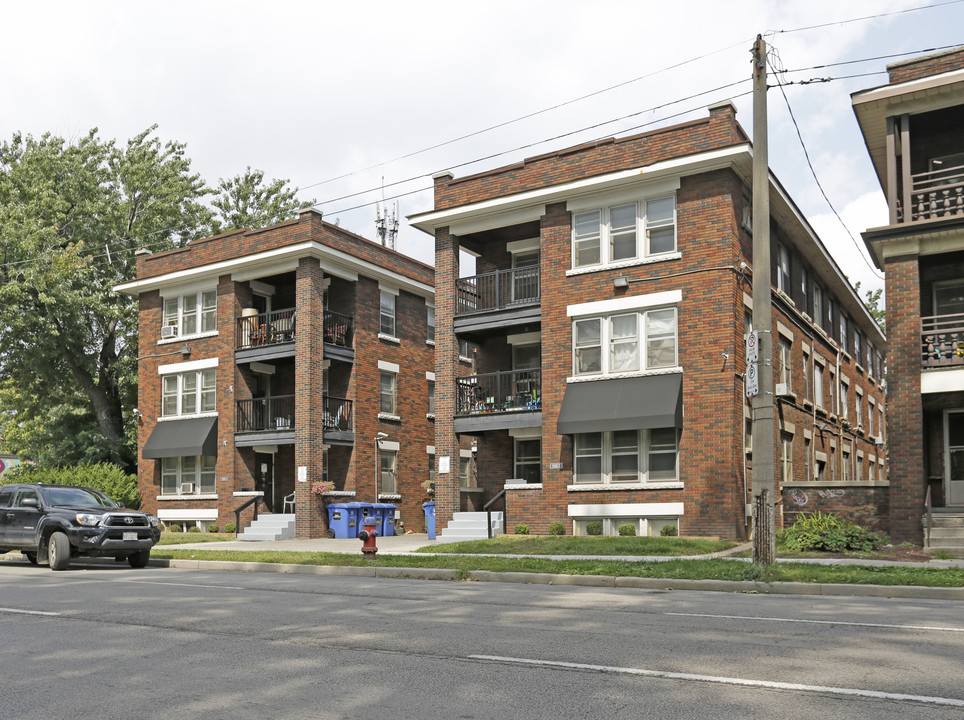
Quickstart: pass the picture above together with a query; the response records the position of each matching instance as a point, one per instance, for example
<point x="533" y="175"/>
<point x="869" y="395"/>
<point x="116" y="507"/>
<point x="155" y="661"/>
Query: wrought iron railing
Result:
<point x="339" y="329"/>
<point x="270" y="413"/>
<point x="938" y="193"/>
<point x="498" y="290"/>
<point x="498" y="392"/>
<point x="942" y="340"/>
<point x="267" y="328"/>
<point x="338" y="414"/>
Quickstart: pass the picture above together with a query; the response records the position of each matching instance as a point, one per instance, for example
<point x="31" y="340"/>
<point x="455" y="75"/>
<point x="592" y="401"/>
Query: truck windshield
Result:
<point x="77" y="497"/>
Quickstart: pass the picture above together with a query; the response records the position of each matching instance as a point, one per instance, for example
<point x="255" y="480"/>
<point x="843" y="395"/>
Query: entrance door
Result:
<point x="264" y="477"/>
<point x="954" y="452"/>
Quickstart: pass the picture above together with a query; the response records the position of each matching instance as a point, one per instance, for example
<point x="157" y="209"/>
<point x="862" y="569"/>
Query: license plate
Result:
<point x="130" y="536"/>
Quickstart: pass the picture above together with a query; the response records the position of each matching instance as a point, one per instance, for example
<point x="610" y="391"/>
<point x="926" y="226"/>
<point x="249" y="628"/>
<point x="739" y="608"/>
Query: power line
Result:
<point x="867" y="17"/>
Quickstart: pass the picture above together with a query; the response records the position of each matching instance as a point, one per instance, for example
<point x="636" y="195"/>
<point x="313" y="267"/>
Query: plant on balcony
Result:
<point x="321" y="487"/>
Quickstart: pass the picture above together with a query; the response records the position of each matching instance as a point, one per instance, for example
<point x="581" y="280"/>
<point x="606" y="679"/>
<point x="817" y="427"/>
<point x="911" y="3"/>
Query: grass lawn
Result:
<point x="716" y="569"/>
<point x="179" y="538"/>
<point x="569" y="545"/>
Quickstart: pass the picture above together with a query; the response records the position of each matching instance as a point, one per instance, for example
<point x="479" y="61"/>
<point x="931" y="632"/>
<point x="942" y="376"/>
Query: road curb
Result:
<point x="596" y="581"/>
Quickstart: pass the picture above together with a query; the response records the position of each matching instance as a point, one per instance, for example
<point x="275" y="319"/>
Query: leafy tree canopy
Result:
<point x="247" y="201"/>
<point x="874" y="302"/>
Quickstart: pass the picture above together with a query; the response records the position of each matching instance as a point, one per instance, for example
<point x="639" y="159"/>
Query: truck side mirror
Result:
<point x="30" y="502"/>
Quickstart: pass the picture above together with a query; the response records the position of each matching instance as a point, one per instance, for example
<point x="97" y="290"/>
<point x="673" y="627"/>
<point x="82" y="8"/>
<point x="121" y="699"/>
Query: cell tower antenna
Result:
<point x="386" y="222"/>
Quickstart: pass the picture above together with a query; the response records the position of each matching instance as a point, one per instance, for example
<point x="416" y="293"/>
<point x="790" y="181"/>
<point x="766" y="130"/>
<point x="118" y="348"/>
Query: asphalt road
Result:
<point x="110" y="642"/>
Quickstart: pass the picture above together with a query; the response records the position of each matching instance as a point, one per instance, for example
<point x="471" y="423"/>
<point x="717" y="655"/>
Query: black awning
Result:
<point x="183" y="438"/>
<point x="654" y="401"/>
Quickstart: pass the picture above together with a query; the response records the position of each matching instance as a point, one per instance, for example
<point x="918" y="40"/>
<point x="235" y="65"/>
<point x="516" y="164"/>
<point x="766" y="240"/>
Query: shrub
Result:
<point x="826" y="532"/>
<point x="213" y="529"/>
<point x="557" y="528"/>
<point x="175" y="527"/>
<point x="668" y="531"/>
<point x="193" y="528"/>
<point x="109" y="479"/>
<point x="594" y="527"/>
<point x="627" y="529"/>
<point x="521" y="529"/>
<point x="229" y="527"/>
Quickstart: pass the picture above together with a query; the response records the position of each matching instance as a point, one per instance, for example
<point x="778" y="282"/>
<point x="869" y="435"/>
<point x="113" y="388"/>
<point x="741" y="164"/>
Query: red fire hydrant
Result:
<point x="367" y="536"/>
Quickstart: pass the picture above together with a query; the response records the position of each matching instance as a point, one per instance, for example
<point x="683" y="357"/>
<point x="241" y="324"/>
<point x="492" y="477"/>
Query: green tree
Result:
<point x="72" y="215"/>
<point x="874" y="302"/>
<point x="246" y="201"/>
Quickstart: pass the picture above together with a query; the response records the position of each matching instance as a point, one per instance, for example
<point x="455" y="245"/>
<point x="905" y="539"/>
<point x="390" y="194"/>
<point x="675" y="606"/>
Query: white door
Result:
<point x="954" y="452"/>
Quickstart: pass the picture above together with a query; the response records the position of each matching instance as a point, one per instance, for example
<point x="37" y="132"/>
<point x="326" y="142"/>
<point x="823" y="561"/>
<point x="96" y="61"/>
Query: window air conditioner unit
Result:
<point x="782" y="389"/>
<point x="187" y="488"/>
<point x="169" y="331"/>
<point x="879" y="440"/>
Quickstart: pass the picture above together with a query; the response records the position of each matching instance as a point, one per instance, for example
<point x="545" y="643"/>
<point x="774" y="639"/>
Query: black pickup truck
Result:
<point x="53" y="523"/>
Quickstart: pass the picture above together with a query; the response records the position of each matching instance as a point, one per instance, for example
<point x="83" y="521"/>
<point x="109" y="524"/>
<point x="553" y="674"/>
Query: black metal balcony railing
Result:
<point x="270" y="413"/>
<point x="267" y="328"/>
<point x="938" y="193"/>
<point x="338" y="414"/>
<point x="942" y="340"/>
<point x="339" y="329"/>
<point x="499" y="392"/>
<point x="498" y="290"/>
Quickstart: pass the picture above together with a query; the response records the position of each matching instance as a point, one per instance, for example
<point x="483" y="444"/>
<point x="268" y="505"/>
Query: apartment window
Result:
<point x="859" y="469"/>
<point x="880" y="421"/>
<point x="614" y="234"/>
<point x="386" y="389"/>
<point x="388" y="472"/>
<point x="805" y="376"/>
<point x="607" y="345"/>
<point x="430" y="324"/>
<point x="785" y="373"/>
<point x="858" y="347"/>
<point x="387" y="314"/>
<point x="188" y="475"/>
<point x="818" y="318"/>
<point x="828" y="325"/>
<point x="807" y="460"/>
<point x="805" y="289"/>
<point x="786" y="458"/>
<point x="844" y="399"/>
<point x="431" y="397"/>
<point x="188" y="393"/>
<point x="831" y="387"/>
<point x="190" y="314"/>
<point x="528" y="460"/>
<point x="626" y="456"/>
<point x="872" y="470"/>
<point x="818" y="385"/>
<point x="845" y="471"/>
<point x="843" y="333"/>
<point x="870" y="359"/>
<point x="859" y="409"/>
<point x="871" y="408"/>
<point x="783" y="269"/>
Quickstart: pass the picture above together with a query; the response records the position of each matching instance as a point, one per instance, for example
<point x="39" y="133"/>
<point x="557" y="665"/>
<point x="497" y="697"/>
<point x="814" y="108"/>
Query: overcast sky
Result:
<point x="340" y="98"/>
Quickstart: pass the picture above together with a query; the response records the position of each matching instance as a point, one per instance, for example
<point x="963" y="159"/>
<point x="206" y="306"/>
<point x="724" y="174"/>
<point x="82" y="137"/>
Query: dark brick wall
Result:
<point x="925" y="66"/>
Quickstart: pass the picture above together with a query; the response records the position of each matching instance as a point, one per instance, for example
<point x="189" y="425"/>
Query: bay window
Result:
<point x="625" y="456"/>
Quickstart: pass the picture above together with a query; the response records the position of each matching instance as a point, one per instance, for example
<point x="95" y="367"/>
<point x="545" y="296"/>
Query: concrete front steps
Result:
<point x="947" y="534"/>
<point x="471" y="526"/>
<point x="270" y="526"/>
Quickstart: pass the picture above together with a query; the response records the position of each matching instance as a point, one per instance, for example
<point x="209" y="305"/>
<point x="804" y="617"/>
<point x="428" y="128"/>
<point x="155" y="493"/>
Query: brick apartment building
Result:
<point x="914" y="131"/>
<point x="607" y="317"/>
<point x="276" y="358"/>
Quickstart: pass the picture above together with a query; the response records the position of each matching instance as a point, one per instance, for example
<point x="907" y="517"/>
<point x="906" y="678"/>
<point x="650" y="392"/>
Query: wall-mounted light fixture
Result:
<point x="621" y="282"/>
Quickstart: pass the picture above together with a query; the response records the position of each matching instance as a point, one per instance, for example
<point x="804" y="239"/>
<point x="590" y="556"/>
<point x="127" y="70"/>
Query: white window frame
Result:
<point x="609" y="341"/>
<point x="818" y="384"/>
<point x="387" y="313"/>
<point x="783" y="268"/>
<point x="605" y="234"/>
<point x="387" y="470"/>
<point x="392" y="395"/>
<point x="644" y="450"/>
<point x="785" y="375"/>
<point x="202" y="313"/>
<point x="199" y="470"/>
<point x="177" y="387"/>
<point x="430" y="324"/>
<point x="786" y="457"/>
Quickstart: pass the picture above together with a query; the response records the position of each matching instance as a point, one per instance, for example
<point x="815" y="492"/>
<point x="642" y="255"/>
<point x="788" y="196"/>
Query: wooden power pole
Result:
<point x="760" y="371"/>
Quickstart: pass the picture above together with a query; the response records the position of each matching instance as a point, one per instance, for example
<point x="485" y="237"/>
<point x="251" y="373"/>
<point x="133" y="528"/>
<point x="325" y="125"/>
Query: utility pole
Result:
<point x="764" y="543"/>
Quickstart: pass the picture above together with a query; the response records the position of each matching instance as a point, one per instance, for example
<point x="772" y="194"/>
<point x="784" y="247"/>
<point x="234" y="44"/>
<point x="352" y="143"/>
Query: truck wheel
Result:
<point x="31" y="557"/>
<point x="139" y="559"/>
<point x="58" y="551"/>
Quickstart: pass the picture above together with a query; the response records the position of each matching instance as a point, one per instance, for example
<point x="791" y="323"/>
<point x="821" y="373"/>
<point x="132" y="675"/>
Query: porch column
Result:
<point x="310" y="521"/>
<point x="905" y="425"/>
<point x="447" y="499"/>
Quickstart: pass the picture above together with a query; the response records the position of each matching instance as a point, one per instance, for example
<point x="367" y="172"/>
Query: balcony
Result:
<point x="271" y="335"/>
<point x="339" y="329"/>
<point x="267" y="328"/>
<point x="937" y="194"/>
<point x="338" y="422"/>
<point x="498" y="290"/>
<point x="942" y="341"/>
<point x="499" y="401"/>
<point x="266" y="421"/>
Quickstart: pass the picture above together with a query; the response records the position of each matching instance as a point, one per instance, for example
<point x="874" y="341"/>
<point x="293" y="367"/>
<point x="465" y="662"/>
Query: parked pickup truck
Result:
<point x="54" y="523"/>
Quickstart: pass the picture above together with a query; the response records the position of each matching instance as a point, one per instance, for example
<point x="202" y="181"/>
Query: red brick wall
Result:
<point x="925" y="66"/>
<point x="867" y="506"/>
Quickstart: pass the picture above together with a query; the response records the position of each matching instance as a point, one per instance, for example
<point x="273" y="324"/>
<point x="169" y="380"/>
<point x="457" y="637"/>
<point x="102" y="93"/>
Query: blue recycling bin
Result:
<point x="339" y="515"/>
<point x="429" y="508"/>
<point x="385" y="513"/>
